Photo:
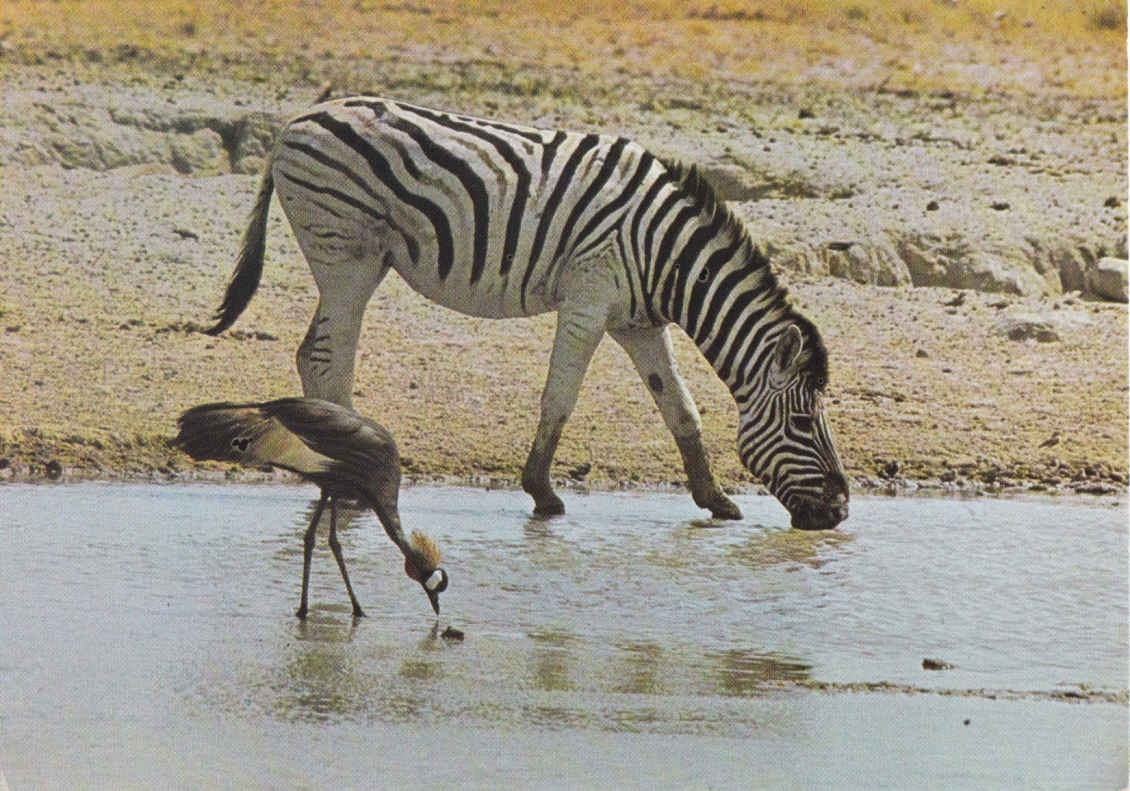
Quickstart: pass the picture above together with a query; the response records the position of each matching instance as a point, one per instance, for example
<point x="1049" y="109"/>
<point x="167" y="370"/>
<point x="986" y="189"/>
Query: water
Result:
<point x="147" y="640"/>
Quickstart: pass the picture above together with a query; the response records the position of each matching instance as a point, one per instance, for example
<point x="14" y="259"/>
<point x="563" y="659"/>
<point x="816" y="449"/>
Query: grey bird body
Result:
<point x="345" y="454"/>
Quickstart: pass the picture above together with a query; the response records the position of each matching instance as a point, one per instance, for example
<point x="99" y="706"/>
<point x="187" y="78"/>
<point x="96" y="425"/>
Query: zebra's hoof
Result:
<point x="554" y="507"/>
<point x="725" y="509"/>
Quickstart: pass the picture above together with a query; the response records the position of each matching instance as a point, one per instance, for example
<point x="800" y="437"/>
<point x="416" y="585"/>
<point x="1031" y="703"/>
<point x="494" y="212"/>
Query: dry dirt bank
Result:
<point x="125" y="194"/>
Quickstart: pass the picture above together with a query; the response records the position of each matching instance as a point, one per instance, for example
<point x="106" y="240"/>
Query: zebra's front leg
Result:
<point x="651" y="353"/>
<point x="579" y="331"/>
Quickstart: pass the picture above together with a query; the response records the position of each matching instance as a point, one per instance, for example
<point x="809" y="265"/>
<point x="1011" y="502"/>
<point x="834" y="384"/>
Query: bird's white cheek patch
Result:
<point x="433" y="581"/>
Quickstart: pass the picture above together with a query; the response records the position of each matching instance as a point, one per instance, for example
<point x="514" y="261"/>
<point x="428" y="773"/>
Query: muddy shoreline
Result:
<point x="118" y="237"/>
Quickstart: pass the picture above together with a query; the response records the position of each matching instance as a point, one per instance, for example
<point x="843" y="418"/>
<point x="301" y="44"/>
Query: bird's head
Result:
<point x="421" y="563"/>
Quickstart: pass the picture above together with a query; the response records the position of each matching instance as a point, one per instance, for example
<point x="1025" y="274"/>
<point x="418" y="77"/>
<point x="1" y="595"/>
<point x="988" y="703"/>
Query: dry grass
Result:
<point x="1059" y="45"/>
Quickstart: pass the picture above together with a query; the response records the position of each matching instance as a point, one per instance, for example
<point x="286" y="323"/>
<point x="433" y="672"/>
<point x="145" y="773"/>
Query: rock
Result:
<point x="201" y="153"/>
<point x="255" y="137"/>
<point x="732" y="180"/>
<point x="579" y="472"/>
<point x="1024" y="327"/>
<point x="1108" y="279"/>
<point x="1051" y="325"/>
<point x="875" y="264"/>
<point x="950" y="260"/>
<point x="1095" y="487"/>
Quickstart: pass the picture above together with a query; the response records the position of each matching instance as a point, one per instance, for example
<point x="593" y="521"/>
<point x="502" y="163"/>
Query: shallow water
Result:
<point x="147" y="639"/>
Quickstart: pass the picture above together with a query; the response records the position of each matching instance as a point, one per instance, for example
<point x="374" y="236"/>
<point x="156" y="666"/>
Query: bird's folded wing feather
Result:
<point x="245" y="433"/>
<point x="334" y="431"/>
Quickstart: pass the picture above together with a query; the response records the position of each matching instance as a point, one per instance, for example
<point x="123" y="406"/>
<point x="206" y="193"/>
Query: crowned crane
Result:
<point x="345" y="454"/>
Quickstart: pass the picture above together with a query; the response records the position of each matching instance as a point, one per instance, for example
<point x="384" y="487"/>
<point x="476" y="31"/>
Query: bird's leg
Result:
<point x="335" y="546"/>
<point x="307" y="551"/>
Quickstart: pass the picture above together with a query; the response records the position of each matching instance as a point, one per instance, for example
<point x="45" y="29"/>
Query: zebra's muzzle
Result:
<point x="824" y="513"/>
<point x="818" y="517"/>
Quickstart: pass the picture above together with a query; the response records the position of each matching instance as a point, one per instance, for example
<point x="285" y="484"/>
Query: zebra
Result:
<point x="503" y="220"/>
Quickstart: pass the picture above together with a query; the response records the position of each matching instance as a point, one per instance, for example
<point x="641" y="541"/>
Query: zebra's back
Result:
<point x="477" y="215"/>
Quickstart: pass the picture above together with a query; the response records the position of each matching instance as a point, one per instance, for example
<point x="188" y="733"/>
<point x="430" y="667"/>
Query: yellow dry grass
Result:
<point x="1038" y="45"/>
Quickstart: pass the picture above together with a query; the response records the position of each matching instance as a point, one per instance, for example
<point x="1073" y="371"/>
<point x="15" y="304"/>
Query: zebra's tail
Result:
<point x="249" y="265"/>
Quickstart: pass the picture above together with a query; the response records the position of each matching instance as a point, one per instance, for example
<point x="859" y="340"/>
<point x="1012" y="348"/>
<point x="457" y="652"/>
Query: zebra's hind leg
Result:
<point x="349" y="253"/>
<point x="651" y="353"/>
<point x="328" y="353"/>
<point x="579" y="330"/>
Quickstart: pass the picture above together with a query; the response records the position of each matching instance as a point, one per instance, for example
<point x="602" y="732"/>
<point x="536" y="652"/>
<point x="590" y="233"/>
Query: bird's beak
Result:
<point x="433" y="597"/>
<point x="434" y="585"/>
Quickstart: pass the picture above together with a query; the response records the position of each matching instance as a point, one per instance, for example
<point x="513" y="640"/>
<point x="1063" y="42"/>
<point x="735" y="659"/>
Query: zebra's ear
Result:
<point x="787" y="356"/>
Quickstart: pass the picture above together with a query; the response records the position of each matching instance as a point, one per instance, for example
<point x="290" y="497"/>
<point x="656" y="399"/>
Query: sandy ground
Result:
<point x="114" y="251"/>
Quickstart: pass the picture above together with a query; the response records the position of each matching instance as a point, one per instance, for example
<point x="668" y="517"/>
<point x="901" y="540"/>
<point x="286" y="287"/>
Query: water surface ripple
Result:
<point x="149" y="630"/>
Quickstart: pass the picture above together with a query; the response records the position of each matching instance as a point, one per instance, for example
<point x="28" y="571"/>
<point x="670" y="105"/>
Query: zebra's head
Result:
<point x="784" y="437"/>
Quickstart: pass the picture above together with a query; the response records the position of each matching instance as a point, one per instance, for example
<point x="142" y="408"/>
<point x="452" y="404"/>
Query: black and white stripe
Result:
<point x="498" y="220"/>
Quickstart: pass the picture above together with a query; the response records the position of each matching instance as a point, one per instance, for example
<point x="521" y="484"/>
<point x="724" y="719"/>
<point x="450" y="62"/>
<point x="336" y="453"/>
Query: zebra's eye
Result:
<point x="802" y="423"/>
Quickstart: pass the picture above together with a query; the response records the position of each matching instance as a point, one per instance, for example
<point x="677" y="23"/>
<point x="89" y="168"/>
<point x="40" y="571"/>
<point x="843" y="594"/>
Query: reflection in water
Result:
<point x="319" y="680"/>
<point x="565" y="662"/>
<point x="742" y="673"/>
<point x="347" y="512"/>
<point x="695" y="548"/>
<point x="327" y="676"/>
<point x="544" y="548"/>
<point x="419" y="670"/>
<point x="638" y="669"/>
<point x="551" y="660"/>
<point x="768" y="548"/>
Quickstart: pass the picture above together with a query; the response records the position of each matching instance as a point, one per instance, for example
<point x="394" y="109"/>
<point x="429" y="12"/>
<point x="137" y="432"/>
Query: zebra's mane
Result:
<point x="691" y="180"/>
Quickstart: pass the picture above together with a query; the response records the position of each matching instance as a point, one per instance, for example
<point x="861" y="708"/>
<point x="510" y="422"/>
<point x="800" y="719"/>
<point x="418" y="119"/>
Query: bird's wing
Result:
<point x="337" y="432"/>
<point x="248" y="434"/>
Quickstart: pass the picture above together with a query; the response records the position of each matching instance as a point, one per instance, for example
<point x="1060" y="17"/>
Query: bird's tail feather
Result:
<point x="222" y="431"/>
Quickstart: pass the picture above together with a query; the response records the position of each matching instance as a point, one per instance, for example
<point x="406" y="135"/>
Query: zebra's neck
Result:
<point x="710" y="279"/>
<point x="735" y="315"/>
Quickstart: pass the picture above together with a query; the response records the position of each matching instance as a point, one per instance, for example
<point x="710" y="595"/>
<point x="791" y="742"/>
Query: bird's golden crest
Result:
<point x="426" y="547"/>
